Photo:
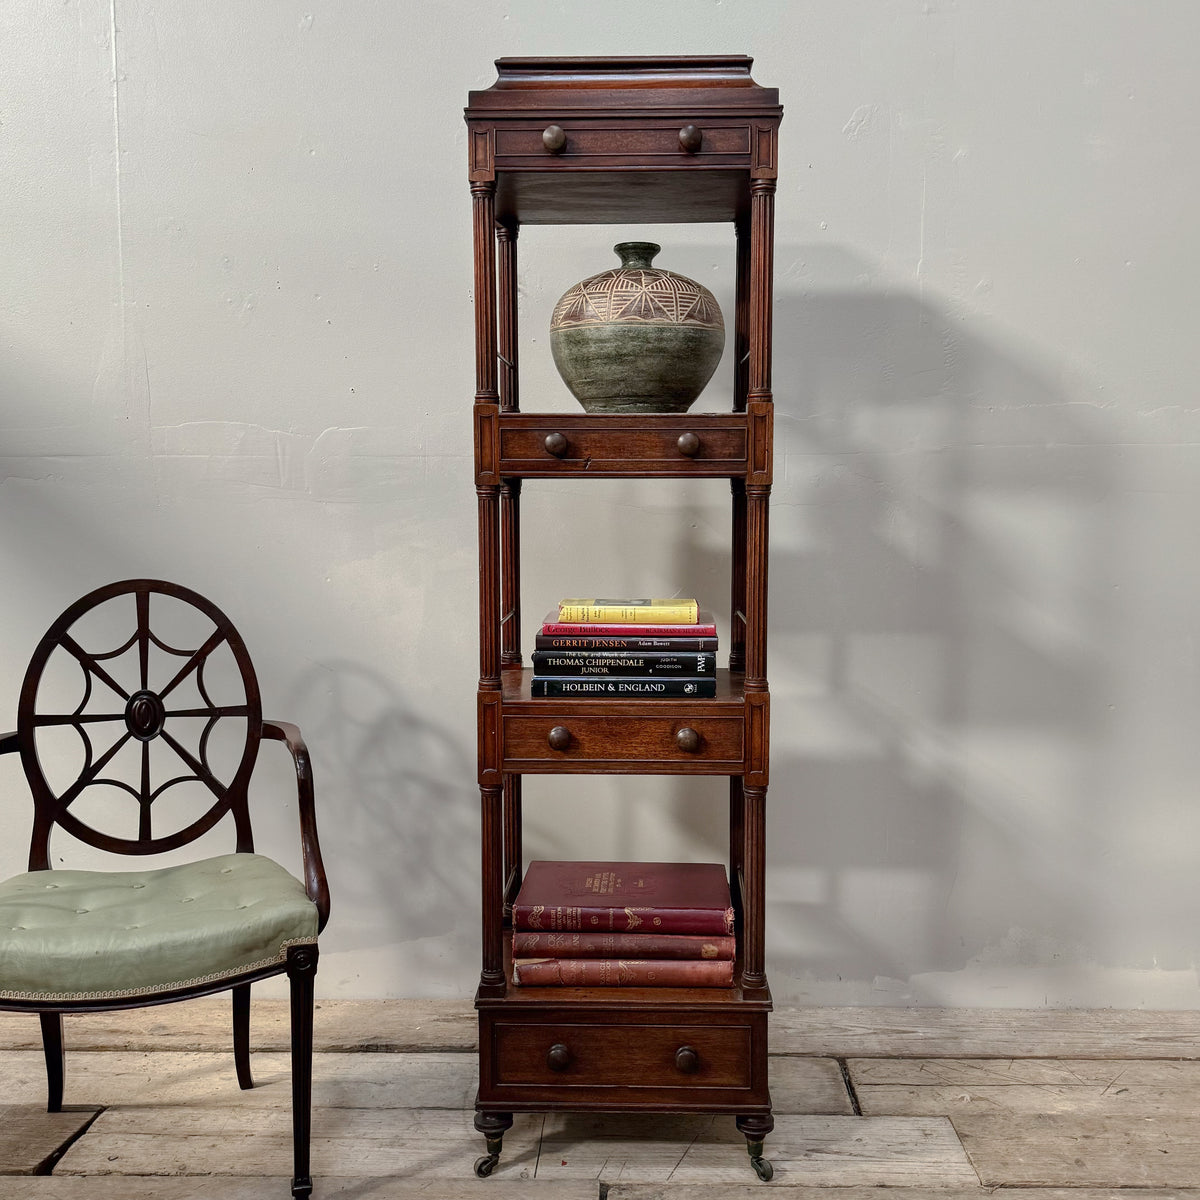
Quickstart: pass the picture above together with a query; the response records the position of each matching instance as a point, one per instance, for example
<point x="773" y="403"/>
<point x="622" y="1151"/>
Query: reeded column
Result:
<point x="741" y="319"/>
<point x="510" y="522"/>
<point x="491" y="821"/>
<point x="506" y="247"/>
<point x="759" y="303"/>
<point x="758" y="494"/>
<point x="757" y="508"/>
<point x="737" y="577"/>
<point x="510" y="580"/>
<point x="483" y="215"/>
<point x="762" y="242"/>
<point x="487" y="398"/>
<point x="510" y="489"/>
<point x="737" y="839"/>
<point x="483" y="205"/>
<point x="754" y="840"/>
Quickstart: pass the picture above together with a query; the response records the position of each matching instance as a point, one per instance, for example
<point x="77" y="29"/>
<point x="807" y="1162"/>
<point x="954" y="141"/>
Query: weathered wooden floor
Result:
<point x="941" y="1104"/>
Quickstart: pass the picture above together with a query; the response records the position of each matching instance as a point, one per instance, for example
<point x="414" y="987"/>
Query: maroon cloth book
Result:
<point x="624" y="897"/>
<point x="526" y="944"/>
<point x="605" y="972"/>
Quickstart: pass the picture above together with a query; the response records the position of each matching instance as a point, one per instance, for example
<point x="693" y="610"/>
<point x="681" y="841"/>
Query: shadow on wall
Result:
<point x="941" y="537"/>
<point x="408" y="834"/>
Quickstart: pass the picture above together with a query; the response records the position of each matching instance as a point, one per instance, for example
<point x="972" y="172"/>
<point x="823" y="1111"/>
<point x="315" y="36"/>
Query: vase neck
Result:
<point x="636" y="254"/>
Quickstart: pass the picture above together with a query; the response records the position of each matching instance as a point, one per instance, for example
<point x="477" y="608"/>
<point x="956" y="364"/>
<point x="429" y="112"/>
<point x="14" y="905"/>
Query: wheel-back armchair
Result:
<point x="152" y="726"/>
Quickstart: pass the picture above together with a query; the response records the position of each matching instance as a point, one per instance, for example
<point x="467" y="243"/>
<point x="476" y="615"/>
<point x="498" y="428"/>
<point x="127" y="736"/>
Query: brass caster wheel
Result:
<point x="485" y="1165"/>
<point x="762" y="1168"/>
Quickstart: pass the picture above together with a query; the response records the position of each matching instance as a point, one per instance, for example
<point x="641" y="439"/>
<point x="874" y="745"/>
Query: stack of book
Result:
<point x="613" y="924"/>
<point x="635" y="648"/>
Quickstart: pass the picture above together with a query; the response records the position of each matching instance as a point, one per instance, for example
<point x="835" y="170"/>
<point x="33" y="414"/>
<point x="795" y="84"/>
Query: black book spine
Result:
<point x="583" y="662"/>
<point x="613" y="687"/>
<point x="621" y="642"/>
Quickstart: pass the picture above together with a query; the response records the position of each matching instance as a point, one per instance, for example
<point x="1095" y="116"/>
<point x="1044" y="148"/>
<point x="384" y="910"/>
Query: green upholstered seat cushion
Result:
<point x="76" y="935"/>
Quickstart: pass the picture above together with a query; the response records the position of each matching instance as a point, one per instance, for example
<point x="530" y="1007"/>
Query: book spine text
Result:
<point x="577" y="662"/>
<point x="669" y="687"/>
<point x="597" y="919"/>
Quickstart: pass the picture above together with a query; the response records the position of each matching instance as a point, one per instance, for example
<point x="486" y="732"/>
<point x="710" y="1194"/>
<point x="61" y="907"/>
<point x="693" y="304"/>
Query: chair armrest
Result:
<point x="315" y="883"/>
<point x="8" y="743"/>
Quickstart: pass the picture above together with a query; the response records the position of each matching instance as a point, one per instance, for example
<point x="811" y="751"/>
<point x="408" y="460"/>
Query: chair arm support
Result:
<point x="315" y="883"/>
<point x="8" y="743"/>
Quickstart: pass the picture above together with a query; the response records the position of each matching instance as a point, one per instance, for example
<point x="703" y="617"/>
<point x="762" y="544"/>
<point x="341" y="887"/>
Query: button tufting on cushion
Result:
<point x="186" y="924"/>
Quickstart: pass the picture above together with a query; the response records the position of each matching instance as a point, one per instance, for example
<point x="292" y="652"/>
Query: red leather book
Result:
<point x="526" y="944"/>
<point x="706" y="626"/>
<point x="624" y="897"/>
<point x="606" y="972"/>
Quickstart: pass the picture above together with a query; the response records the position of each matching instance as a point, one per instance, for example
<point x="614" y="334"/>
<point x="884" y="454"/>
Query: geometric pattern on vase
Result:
<point x="638" y="296"/>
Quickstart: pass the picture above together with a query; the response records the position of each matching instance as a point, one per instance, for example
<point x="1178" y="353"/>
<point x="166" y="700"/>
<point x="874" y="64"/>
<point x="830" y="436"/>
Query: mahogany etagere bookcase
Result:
<point x="607" y="140"/>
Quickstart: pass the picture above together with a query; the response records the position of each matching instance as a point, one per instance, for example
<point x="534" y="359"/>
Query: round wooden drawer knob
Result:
<point x="688" y="740"/>
<point x="559" y="737"/>
<point x="558" y="1058"/>
<point x="554" y="139"/>
<point x="555" y="444"/>
<point x="691" y="138"/>
<point x="688" y="444"/>
<point x="687" y="1060"/>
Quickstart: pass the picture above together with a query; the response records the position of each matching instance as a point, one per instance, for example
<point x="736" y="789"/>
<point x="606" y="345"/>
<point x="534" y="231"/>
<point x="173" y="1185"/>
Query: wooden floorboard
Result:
<point x="391" y="1143"/>
<point x="204" y="1025"/>
<point x="339" y="1080"/>
<point x="1060" y="1150"/>
<point x="813" y="1150"/>
<point x="985" y="1033"/>
<point x="423" y="1025"/>
<point x="224" y="1187"/>
<point x="277" y="1188"/>
<point x="30" y="1138"/>
<point x="954" y="1087"/>
<point x="754" y="1191"/>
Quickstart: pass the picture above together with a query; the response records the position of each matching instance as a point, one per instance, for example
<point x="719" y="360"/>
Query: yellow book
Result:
<point x="629" y="612"/>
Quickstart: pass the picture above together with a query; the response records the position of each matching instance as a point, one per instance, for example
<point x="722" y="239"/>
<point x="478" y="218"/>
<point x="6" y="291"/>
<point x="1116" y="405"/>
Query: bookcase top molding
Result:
<point x="710" y="81"/>
<point x="599" y="140"/>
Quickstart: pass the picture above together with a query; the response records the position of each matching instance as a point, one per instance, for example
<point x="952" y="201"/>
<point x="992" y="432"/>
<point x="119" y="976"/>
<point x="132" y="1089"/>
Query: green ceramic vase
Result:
<point x="637" y="338"/>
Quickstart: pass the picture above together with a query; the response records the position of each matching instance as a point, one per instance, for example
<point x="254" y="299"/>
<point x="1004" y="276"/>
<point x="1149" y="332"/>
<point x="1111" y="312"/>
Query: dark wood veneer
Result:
<point x="585" y="141"/>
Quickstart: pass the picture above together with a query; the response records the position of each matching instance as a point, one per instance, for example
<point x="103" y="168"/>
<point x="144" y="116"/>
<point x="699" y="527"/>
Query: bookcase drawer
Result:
<point x="704" y="447"/>
<point x="548" y="145"/>
<point x="582" y="742"/>
<point x="659" y="1056"/>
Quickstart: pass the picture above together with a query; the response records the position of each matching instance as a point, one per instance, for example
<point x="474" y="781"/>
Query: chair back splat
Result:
<point x="141" y="694"/>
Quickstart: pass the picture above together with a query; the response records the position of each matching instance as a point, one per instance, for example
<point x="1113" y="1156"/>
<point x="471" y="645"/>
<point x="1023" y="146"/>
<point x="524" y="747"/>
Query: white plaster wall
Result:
<point x="235" y="351"/>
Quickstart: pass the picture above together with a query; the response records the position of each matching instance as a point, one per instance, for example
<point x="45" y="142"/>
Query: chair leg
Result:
<point x="56" y="1059"/>
<point x="241" y="1035"/>
<point x="302" y="969"/>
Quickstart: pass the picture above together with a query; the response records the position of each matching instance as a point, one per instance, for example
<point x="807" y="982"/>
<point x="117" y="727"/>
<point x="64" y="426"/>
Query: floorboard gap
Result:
<point x="848" y="1084"/>
<point x="47" y="1165"/>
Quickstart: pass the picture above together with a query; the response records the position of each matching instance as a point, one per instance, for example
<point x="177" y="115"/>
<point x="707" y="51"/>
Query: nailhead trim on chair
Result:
<point x="164" y="987"/>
